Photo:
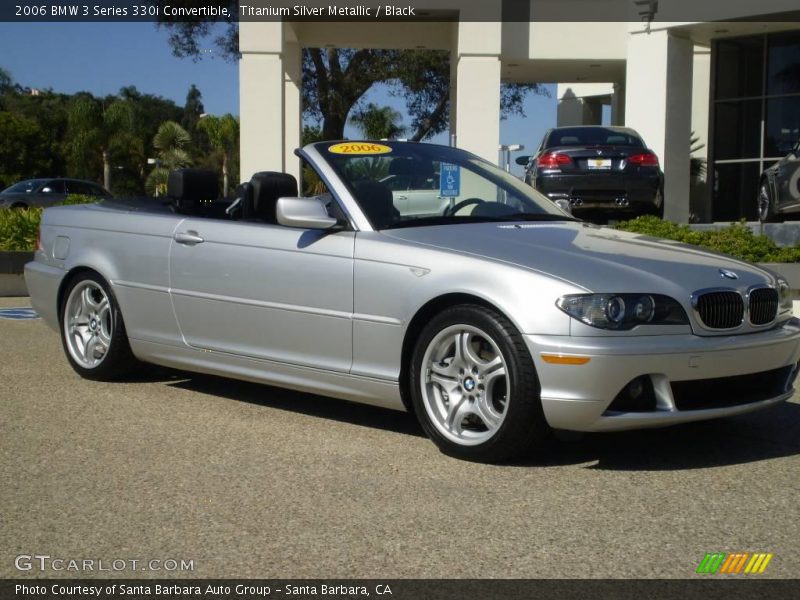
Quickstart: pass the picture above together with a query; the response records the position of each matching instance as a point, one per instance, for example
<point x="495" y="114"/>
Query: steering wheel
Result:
<point x="452" y="210"/>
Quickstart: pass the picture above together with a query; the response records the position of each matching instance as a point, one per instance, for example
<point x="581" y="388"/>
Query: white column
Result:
<point x="618" y="104"/>
<point x="476" y="98"/>
<point x="292" y="115"/>
<point x="658" y="104"/>
<point x="268" y="98"/>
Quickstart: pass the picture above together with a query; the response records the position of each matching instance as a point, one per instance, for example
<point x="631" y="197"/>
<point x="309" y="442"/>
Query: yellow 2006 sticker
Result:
<point x="359" y="148"/>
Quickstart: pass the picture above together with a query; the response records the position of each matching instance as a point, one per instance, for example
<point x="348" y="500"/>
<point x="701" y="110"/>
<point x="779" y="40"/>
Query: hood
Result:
<point x="597" y="259"/>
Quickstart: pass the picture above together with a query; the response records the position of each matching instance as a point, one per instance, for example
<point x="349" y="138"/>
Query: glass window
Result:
<point x="737" y="128"/>
<point x="592" y="136"/>
<point x="739" y="68"/>
<point x="55" y="186"/>
<point x="783" y="60"/>
<point x="79" y="187"/>
<point x="782" y="127"/>
<point x="441" y="185"/>
<point x="735" y="191"/>
<point x="24" y="187"/>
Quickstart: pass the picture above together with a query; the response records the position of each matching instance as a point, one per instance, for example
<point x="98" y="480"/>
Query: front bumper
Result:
<point x="578" y="397"/>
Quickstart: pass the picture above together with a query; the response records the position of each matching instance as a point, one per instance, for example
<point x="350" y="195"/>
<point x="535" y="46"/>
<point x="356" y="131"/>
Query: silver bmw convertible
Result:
<point x="419" y="278"/>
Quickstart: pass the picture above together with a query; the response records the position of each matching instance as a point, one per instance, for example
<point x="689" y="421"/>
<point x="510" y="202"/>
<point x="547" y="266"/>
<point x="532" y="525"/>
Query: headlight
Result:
<point x="785" y="295"/>
<point x="623" y="311"/>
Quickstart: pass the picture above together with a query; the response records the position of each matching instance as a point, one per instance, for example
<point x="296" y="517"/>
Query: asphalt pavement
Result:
<point x="252" y="481"/>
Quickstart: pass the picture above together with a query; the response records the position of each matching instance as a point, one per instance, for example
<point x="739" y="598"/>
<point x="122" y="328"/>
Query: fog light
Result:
<point x="638" y="396"/>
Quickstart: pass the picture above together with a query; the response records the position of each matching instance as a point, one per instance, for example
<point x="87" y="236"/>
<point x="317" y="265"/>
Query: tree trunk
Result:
<point x="106" y="171"/>
<point x="225" y="175"/>
<point x="333" y="127"/>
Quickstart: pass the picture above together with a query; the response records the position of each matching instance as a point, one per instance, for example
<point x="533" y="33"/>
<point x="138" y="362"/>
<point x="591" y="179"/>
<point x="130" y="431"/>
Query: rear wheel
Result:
<point x="474" y="387"/>
<point x="766" y="204"/>
<point x="92" y="330"/>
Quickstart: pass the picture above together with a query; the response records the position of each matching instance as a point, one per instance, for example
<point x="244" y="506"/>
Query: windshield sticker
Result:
<point x="359" y="148"/>
<point x="449" y="181"/>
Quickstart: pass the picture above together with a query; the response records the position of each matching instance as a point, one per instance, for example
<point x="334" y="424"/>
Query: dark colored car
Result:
<point x="779" y="190"/>
<point x="597" y="169"/>
<point x="47" y="192"/>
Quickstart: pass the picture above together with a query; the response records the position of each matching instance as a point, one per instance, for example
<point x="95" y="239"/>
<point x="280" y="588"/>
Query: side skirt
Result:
<point x="365" y="390"/>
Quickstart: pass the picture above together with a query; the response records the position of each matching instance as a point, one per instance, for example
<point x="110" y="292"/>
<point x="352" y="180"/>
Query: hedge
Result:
<point x="737" y="240"/>
<point x="19" y="226"/>
<point x="18" y="230"/>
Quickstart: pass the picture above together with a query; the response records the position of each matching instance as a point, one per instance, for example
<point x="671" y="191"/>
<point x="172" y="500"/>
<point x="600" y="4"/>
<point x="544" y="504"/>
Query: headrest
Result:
<point x="188" y="187"/>
<point x="616" y="139"/>
<point x="268" y="186"/>
<point x="568" y="139"/>
<point x="376" y="201"/>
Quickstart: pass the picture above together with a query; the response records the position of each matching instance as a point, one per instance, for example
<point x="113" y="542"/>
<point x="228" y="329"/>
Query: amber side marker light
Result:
<point x="560" y="359"/>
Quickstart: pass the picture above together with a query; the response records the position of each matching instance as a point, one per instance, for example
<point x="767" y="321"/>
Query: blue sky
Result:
<point x="103" y="57"/>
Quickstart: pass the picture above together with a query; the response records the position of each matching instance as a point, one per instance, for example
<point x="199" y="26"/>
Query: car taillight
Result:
<point x="647" y="159"/>
<point x="553" y="160"/>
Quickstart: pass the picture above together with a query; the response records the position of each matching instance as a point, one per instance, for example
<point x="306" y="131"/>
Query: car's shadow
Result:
<point x="284" y="399"/>
<point x="772" y="433"/>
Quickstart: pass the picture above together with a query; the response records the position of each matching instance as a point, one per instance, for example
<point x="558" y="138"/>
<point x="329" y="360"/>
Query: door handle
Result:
<point x="190" y="238"/>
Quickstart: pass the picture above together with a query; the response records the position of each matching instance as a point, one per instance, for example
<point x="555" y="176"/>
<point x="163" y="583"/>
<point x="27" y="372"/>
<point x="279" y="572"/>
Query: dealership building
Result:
<point x="729" y="83"/>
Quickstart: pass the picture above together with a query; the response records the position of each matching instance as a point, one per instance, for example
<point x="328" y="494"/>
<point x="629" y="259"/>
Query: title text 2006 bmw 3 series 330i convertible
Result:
<point x="420" y="278"/>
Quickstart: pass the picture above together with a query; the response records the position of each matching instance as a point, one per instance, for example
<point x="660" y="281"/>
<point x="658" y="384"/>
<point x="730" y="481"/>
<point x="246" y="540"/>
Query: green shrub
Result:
<point x="79" y="199"/>
<point x="737" y="239"/>
<point x="18" y="227"/>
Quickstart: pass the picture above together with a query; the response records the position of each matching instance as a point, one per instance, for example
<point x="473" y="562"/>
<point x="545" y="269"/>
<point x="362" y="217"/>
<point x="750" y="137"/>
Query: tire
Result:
<point x="766" y="204"/>
<point x="474" y="387"/>
<point x="92" y="330"/>
<point x="657" y="210"/>
<point x="19" y="206"/>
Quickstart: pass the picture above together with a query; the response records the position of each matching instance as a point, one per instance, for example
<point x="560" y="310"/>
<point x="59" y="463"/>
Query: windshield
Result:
<point x="24" y="187"/>
<point x="592" y="136"/>
<point x="403" y="184"/>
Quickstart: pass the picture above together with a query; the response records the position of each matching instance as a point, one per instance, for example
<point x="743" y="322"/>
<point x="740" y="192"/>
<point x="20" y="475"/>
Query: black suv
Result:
<point x="606" y="170"/>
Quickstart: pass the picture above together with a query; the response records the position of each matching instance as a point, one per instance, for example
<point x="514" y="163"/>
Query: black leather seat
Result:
<point x="377" y="203"/>
<point x="267" y="188"/>
<point x="190" y="188"/>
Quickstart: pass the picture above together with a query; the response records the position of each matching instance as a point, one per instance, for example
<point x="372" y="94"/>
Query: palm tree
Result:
<point x="171" y="142"/>
<point x="223" y="134"/>
<point x="96" y="127"/>
<point x="378" y="123"/>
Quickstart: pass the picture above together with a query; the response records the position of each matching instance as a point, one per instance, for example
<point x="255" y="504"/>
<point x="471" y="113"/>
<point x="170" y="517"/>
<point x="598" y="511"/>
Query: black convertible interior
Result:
<point x="196" y="192"/>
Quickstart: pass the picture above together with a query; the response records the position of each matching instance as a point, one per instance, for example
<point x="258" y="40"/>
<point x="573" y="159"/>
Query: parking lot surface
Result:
<point x="253" y="481"/>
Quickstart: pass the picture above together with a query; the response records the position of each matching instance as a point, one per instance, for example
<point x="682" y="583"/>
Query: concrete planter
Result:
<point x="12" y="265"/>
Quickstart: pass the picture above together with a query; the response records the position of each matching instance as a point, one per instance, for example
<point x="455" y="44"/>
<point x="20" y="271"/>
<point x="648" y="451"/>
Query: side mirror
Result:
<point x="304" y="213"/>
<point x="522" y="160"/>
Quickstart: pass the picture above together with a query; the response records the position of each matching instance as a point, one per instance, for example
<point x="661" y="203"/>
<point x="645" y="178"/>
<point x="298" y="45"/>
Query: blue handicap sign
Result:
<point x="449" y="181"/>
<point x="18" y="314"/>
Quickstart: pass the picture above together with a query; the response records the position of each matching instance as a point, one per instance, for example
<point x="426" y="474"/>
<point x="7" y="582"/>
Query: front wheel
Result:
<point x="766" y="204"/>
<point x="92" y="330"/>
<point x="474" y="386"/>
